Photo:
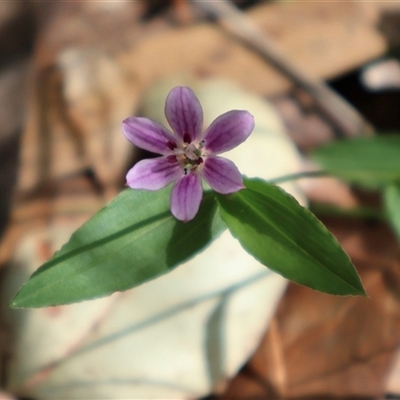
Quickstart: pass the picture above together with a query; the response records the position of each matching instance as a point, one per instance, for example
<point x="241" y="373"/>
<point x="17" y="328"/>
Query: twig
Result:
<point x="341" y="114"/>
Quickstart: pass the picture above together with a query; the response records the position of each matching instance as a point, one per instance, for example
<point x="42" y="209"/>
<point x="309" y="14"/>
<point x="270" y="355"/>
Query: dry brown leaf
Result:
<point x="93" y="61"/>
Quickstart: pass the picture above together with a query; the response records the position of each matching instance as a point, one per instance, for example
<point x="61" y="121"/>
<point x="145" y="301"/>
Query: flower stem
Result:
<point x="359" y="212"/>
<point x="298" y="175"/>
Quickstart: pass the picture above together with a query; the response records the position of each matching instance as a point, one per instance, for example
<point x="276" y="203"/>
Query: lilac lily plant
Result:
<point x="187" y="154"/>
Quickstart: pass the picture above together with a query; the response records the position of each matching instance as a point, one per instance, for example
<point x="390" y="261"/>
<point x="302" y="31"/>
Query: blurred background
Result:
<point x="70" y="72"/>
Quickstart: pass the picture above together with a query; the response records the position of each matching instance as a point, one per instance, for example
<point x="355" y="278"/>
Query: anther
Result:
<point x="199" y="161"/>
<point x="187" y="138"/>
<point x="171" y="145"/>
<point x="172" y="159"/>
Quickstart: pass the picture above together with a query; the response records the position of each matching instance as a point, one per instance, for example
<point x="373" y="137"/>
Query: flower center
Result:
<point x="190" y="156"/>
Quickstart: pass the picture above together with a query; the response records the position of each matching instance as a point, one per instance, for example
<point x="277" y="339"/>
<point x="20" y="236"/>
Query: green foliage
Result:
<point x="372" y="162"/>
<point x="391" y="196"/>
<point x="369" y="161"/>
<point x="130" y="241"/>
<point x="135" y="239"/>
<point x="277" y="231"/>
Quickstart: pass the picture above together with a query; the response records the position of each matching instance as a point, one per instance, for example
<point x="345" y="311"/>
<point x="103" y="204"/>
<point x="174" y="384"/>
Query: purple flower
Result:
<point x="187" y="154"/>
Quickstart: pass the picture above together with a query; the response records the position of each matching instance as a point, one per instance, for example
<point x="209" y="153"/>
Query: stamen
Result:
<point x="187" y="138"/>
<point x="202" y="144"/>
<point x="171" y="145"/>
<point x="172" y="159"/>
<point x="185" y="171"/>
<point x="199" y="161"/>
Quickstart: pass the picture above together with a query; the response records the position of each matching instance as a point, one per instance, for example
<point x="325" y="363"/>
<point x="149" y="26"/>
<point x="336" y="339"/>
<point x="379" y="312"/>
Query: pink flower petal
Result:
<point x="184" y="113"/>
<point x="222" y="175"/>
<point x="186" y="197"/>
<point x="148" y="135"/>
<point x="153" y="174"/>
<point x="228" y="130"/>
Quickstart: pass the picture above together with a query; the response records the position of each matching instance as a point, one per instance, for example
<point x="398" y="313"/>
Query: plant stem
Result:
<point x="297" y="175"/>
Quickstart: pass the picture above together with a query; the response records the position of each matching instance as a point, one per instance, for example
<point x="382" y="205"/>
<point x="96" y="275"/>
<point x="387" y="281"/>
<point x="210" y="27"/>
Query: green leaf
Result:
<point x="289" y="239"/>
<point x="130" y="241"/>
<point x="369" y="161"/>
<point x="391" y="197"/>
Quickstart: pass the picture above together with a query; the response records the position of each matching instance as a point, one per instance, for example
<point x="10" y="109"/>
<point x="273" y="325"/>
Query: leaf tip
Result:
<point x="13" y="304"/>
<point x="360" y="292"/>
